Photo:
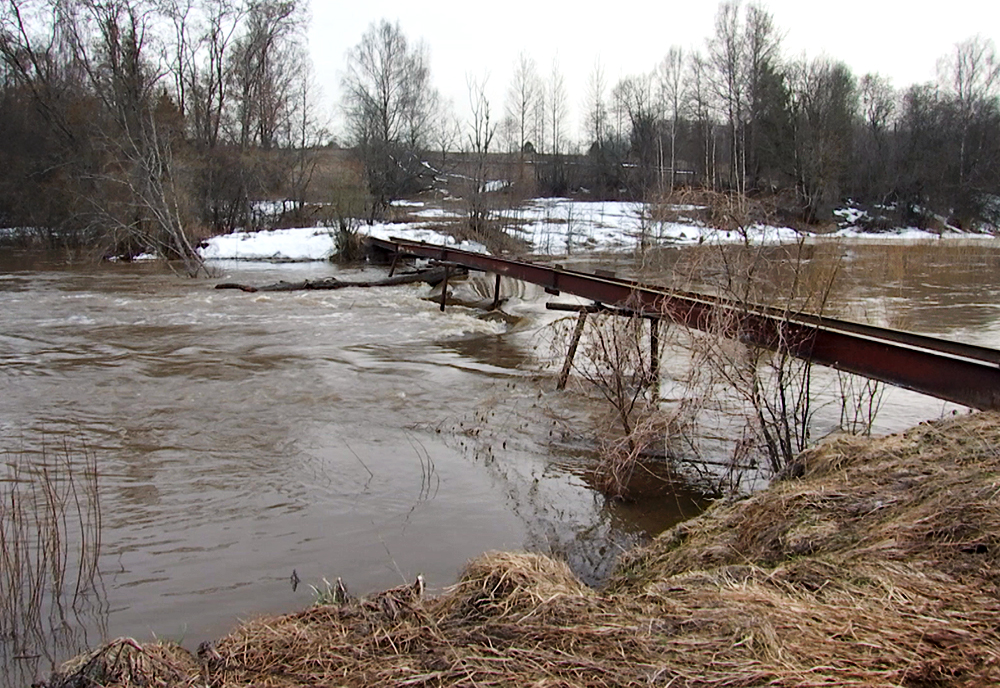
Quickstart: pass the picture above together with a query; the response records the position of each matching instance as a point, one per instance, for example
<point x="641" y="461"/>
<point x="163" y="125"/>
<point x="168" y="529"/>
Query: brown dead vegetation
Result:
<point x="871" y="562"/>
<point x="729" y="212"/>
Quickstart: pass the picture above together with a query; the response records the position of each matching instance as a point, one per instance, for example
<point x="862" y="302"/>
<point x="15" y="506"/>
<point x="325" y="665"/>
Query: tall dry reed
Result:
<point x="50" y="546"/>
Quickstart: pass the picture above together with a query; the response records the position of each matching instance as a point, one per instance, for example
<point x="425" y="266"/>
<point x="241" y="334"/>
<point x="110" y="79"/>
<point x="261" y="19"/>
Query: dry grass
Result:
<point x="878" y="566"/>
<point x="125" y="662"/>
<point x="727" y="211"/>
<point x="877" y="563"/>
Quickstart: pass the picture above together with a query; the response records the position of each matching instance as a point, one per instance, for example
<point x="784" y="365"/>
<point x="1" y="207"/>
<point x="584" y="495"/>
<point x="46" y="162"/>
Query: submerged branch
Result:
<point x="431" y="277"/>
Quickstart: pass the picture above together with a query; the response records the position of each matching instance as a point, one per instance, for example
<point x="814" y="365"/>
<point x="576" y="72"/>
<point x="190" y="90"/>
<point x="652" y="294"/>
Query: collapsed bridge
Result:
<point x="961" y="373"/>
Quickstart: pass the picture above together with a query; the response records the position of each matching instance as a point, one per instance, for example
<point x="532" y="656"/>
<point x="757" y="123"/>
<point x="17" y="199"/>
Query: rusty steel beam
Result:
<point x="961" y="373"/>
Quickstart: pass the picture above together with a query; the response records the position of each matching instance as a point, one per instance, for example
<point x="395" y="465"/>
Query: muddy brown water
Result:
<point x="356" y="433"/>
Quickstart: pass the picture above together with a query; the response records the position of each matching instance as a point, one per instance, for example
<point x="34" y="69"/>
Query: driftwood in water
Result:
<point x="431" y="277"/>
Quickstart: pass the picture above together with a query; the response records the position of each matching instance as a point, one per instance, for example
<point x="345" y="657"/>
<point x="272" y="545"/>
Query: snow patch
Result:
<point x="437" y="213"/>
<point x="909" y="233"/>
<point x="495" y="185"/>
<point x="297" y="244"/>
<point x="304" y="244"/>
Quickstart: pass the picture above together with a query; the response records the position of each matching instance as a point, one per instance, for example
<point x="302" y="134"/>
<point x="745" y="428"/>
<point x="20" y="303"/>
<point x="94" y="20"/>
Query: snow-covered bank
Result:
<point x="557" y="226"/>
<point x="551" y="226"/>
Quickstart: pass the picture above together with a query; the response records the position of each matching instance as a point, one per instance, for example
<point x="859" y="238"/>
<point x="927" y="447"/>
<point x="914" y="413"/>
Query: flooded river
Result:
<point x="246" y="442"/>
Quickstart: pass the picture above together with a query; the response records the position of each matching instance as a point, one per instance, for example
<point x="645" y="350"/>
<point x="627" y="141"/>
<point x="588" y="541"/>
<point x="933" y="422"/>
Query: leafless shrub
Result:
<point x="348" y="242"/>
<point x="772" y="385"/>
<point x="860" y="401"/>
<point x="615" y="364"/>
<point x="615" y="360"/>
<point x="751" y="390"/>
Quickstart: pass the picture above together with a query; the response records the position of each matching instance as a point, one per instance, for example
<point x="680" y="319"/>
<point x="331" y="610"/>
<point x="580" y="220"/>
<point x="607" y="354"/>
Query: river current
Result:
<point x="252" y="445"/>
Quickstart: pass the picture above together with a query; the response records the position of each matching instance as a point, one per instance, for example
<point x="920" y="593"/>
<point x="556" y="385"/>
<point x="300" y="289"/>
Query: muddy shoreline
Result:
<point x="879" y="564"/>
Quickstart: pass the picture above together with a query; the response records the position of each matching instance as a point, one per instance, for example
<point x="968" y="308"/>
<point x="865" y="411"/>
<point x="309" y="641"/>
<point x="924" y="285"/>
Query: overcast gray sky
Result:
<point x="901" y="40"/>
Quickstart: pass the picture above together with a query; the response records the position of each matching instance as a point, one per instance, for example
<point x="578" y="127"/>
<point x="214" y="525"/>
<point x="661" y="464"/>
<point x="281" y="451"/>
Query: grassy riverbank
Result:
<point x="877" y="564"/>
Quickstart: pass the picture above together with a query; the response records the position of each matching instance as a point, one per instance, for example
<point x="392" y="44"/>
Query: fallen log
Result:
<point x="431" y="277"/>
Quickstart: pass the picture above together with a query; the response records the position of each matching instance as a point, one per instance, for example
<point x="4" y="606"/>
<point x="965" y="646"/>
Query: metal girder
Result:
<point x="961" y="373"/>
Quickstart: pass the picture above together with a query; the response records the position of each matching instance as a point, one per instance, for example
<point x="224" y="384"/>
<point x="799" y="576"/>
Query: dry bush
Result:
<point x="730" y="371"/>
<point x="124" y="663"/>
<point x="724" y="379"/>
<point x="348" y="241"/>
<point x="765" y="383"/>
<point x="726" y="211"/>
<point x="615" y="360"/>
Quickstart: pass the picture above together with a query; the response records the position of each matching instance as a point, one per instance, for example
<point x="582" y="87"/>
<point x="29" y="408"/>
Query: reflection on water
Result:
<point x="357" y="433"/>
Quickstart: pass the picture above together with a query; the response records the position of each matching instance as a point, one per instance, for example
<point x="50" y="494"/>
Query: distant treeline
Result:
<point x="136" y="126"/>
<point x="141" y="125"/>
<point x="735" y="116"/>
<point x="740" y="117"/>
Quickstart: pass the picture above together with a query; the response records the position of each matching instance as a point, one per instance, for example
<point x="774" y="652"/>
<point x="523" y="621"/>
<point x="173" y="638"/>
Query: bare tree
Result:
<point x="39" y="60"/>
<point x="112" y="43"/>
<point x="207" y="93"/>
<point x="557" y="108"/>
<point x="636" y="97"/>
<point x="225" y="170"/>
<point x="878" y="103"/>
<point x="180" y="51"/>
<point x="701" y="106"/>
<point x="480" y="137"/>
<point x="619" y="110"/>
<point x="878" y="106"/>
<point x="44" y="142"/>
<point x="972" y="76"/>
<point x="596" y="106"/>
<point x="142" y="198"/>
<point x="824" y="109"/>
<point x="265" y="69"/>
<point x="522" y="97"/>
<point x="507" y="130"/>
<point x="670" y="87"/>
<point x="447" y="130"/>
<point x="742" y="53"/>
<point x="539" y="128"/>
<point x="138" y="98"/>
<point x="304" y="133"/>
<point x="726" y="50"/>
<point x="388" y="100"/>
<point x="762" y="44"/>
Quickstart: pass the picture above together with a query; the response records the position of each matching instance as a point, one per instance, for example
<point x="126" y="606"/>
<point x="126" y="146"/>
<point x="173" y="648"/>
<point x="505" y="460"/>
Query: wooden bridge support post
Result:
<point x="444" y="288"/>
<point x="395" y="259"/>
<point x="581" y="320"/>
<point x="654" y="356"/>
<point x="496" y="293"/>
